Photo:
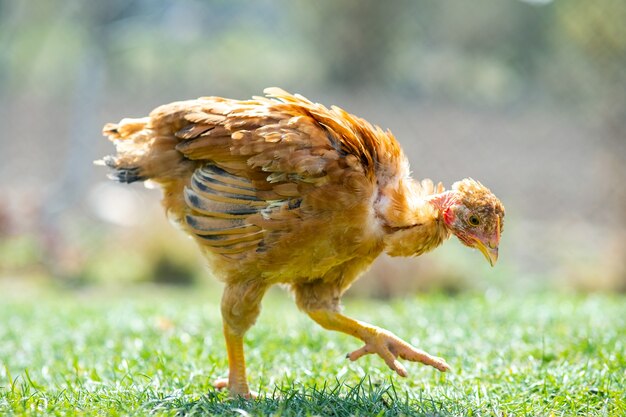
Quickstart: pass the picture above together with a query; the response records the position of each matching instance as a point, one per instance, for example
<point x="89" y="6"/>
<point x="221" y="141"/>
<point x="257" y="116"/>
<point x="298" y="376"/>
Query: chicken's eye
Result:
<point x="474" y="220"/>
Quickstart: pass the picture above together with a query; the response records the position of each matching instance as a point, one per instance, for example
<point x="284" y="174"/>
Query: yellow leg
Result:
<point x="382" y="342"/>
<point x="237" y="382"/>
<point x="240" y="308"/>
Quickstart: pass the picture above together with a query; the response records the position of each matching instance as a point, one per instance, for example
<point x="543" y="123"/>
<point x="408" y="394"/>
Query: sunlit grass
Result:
<point x="155" y="352"/>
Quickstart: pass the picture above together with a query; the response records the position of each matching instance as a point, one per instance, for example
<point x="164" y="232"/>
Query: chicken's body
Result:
<point x="282" y="190"/>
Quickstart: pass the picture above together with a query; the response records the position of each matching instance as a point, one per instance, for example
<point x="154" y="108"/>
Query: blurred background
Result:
<point x="529" y="97"/>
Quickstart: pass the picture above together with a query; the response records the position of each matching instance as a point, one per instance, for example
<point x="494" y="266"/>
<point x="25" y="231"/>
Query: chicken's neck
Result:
<point x="413" y="223"/>
<point x="442" y="203"/>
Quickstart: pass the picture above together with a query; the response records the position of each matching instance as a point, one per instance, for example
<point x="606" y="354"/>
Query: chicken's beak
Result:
<point x="490" y="249"/>
<point x="491" y="252"/>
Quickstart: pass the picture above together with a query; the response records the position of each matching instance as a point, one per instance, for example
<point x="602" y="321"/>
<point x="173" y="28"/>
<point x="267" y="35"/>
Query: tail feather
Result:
<point x="120" y="174"/>
<point x="142" y="152"/>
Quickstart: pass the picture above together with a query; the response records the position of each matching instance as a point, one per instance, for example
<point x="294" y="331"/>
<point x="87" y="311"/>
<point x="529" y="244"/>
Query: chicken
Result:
<point x="280" y="190"/>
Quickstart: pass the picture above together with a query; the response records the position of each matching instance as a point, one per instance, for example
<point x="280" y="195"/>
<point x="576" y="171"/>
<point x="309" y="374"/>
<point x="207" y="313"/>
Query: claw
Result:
<point x="220" y="384"/>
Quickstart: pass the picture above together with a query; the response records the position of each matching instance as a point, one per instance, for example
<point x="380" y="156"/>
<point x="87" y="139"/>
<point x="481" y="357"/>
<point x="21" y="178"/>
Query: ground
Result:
<point x="156" y="351"/>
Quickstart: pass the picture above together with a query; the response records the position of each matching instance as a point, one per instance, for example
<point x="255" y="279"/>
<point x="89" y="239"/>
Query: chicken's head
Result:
<point x="475" y="216"/>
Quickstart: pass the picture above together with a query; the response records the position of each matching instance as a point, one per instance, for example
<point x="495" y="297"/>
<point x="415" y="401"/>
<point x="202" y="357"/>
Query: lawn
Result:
<point x="156" y="351"/>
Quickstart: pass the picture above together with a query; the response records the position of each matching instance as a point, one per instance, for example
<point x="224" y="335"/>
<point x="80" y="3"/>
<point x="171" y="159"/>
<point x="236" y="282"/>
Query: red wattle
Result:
<point x="448" y="216"/>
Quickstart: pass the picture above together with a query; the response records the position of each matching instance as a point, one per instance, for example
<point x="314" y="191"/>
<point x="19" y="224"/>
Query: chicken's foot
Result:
<point x="222" y="383"/>
<point x="380" y="341"/>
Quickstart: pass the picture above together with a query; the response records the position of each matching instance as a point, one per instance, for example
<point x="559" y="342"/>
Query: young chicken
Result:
<point x="280" y="190"/>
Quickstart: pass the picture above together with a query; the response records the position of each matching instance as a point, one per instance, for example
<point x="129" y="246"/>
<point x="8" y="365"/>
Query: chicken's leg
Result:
<point x="241" y="305"/>
<point x="236" y="382"/>
<point x="320" y="300"/>
<point x="382" y="342"/>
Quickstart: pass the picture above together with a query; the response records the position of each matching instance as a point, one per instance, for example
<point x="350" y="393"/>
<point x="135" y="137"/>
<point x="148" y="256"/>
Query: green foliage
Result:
<point x="156" y="353"/>
<point x="485" y="52"/>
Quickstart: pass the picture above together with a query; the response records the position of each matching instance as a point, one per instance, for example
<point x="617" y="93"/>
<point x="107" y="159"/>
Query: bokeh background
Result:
<point x="529" y="97"/>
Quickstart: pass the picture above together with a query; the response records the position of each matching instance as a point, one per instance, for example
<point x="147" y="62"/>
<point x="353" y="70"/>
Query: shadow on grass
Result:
<point x="337" y="400"/>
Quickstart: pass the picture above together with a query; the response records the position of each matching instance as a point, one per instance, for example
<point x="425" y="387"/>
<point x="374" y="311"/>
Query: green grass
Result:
<point x="156" y="353"/>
